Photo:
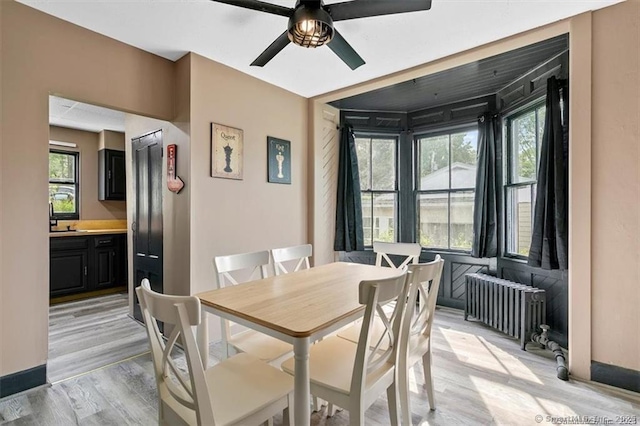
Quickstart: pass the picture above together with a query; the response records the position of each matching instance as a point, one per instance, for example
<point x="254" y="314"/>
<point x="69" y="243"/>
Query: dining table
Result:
<point x="299" y="308"/>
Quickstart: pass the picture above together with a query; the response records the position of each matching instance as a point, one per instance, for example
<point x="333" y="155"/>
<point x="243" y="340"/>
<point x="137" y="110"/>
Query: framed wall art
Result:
<point x="226" y="152"/>
<point x="278" y="160"/>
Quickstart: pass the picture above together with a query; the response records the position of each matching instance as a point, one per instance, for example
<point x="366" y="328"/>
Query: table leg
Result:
<point x="203" y="339"/>
<point x="302" y="390"/>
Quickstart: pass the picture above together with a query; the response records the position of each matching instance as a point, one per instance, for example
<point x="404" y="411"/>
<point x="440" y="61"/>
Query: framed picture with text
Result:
<point x="226" y="152"/>
<point x="278" y="160"/>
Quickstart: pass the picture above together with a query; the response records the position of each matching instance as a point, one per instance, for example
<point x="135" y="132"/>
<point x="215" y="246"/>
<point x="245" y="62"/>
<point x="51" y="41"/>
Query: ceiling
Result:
<point x="468" y="81"/>
<point x="80" y="116"/>
<point x="236" y="36"/>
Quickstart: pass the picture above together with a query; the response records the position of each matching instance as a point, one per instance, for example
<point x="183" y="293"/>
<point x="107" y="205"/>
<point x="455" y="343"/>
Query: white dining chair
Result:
<point x="266" y="348"/>
<point x="353" y="376"/>
<point x="240" y="390"/>
<point x="418" y="320"/>
<point x="410" y="251"/>
<point x="289" y="254"/>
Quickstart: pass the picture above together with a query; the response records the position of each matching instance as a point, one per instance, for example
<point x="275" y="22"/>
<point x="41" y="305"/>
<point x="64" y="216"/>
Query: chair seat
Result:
<point x="352" y="334"/>
<point x="331" y="365"/>
<point x="242" y="377"/>
<point x="265" y="348"/>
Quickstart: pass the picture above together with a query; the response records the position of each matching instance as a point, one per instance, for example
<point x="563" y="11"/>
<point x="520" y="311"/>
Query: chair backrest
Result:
<point x="370" y="356"/>
<point x="418" y="322"/>
<point x="224" y="265"/>
<point x="182" y="312"/>
<point x="411" y="251"/>
<point x="286" y="254"/>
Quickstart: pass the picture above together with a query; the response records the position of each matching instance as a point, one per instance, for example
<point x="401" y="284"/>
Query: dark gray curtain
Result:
<point x="485" y="209"/>
<point x="349" y="233"/>
<point x="549" y="239"/>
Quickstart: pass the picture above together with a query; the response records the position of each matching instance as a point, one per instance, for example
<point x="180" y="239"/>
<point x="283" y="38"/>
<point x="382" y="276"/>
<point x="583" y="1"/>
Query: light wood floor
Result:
<point x="92" y="333"/>
<point x="481" y="377"/>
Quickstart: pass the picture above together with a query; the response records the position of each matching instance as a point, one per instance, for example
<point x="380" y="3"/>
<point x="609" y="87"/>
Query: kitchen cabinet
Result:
<point x="86" y="263"/>
<point x="111" y="175"/>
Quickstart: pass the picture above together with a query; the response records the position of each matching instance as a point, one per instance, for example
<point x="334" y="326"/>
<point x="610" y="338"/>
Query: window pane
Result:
<point x="519" y="220"/>
<point x="433" y="213"/>
<point x="63" y="198"/>
<point x="384" y="213"/>
<point x="542" y="111"/>
<point x="62" y="167"/>
<point x="464" y="149"/>
<point x="383" y="167"/>
<point x="462" y="220"/>
<point x="523" y="148"/>
<point x="362" y="150"/>
<point x="434" y="163"/>
<point x="367" y="219"/>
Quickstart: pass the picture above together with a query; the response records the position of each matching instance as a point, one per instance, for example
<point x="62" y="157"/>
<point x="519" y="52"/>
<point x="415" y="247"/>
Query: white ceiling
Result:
<point x="77" y="115"/>
<point x="236" y="36"/>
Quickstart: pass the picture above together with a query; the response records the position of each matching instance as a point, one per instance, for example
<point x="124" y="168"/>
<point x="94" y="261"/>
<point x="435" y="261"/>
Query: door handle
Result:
<point x="85" y="270"/>
<point x="133" y="226"/>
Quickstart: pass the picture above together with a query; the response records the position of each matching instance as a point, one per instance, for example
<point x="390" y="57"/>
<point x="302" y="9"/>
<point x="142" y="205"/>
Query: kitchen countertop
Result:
<point x="82" y="232"/>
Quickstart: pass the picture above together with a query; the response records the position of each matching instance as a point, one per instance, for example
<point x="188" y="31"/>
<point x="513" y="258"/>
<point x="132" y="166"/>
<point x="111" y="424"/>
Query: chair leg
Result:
<point x="428" y="383"/>
<point x="316" y="404"/>
<point x="403" y="393"/>
<point x="356" y="417"/>
<point x="392" y="400"/>
<point x="288" y="412"/>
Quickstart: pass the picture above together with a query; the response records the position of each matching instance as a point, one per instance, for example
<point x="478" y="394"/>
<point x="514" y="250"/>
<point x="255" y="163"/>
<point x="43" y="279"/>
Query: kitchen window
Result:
<point x="63" y="185"/>
<point x="377" y="165"/>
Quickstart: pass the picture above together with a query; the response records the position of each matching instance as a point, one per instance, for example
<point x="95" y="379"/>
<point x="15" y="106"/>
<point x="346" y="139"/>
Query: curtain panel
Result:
<point x="485" y="209"/>
<point x="549" y="239"/>
<point x="349" y="232"/>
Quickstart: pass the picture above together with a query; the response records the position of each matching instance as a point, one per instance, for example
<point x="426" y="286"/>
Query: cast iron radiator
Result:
<point x="515" y="309"/>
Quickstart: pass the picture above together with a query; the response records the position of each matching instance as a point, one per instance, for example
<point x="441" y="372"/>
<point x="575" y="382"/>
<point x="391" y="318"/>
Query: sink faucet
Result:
<point x="52" y="220"/>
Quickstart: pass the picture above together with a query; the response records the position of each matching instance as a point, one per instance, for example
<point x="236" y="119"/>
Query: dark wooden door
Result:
<point x="147" y="225"/>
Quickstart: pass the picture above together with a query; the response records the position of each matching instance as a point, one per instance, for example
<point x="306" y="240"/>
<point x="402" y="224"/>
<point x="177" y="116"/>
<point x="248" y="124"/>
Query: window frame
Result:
<point x="76" y="183"/>
<point x="508" y="183"/>
<point x="465" y="127"/>
<point x="396" y="139"/>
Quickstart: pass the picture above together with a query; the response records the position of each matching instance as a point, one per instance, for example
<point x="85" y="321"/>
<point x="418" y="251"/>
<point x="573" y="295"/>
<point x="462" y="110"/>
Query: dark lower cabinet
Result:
<point x="87" y="263"/>
<point x="69" y="272"/>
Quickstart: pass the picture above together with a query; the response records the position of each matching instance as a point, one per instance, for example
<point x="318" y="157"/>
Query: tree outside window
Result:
<point x="63" y="185"/>
<point x="445" y="181"/>
<point x="524" y="132"/>
<point x="378" y="184"/>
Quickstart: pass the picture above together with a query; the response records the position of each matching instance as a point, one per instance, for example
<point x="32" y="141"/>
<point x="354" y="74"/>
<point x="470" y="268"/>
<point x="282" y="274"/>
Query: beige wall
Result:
<point x="108" y="139"/>
<point x="235" y="216"/>
<point x="87" y="145"/>
<point x="63" y="59"/>
<point x="615" y="270"/>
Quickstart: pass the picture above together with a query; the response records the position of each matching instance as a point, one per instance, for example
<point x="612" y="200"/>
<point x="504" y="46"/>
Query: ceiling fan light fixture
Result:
<point x="310" y="27"/>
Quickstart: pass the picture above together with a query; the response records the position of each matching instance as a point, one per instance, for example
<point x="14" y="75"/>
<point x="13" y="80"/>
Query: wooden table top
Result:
<point x="300" y="303"/>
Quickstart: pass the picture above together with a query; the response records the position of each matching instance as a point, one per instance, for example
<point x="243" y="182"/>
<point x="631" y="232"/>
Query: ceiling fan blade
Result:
<point x="262" y="6"/>
<point x="271" y="51"/>
<point x="366" y="8"/>
<point x="344" y="51"/>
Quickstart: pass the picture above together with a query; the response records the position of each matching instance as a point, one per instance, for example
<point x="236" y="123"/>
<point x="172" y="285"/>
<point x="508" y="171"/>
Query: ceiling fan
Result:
<point x="311" y="23"/>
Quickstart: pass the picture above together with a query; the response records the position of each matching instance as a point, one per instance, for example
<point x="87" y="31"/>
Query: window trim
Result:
<point x="460" y="128"/>
<point x="75" y="215"/>
<point x="396" y="138"/>
<point x="508" y="183"/>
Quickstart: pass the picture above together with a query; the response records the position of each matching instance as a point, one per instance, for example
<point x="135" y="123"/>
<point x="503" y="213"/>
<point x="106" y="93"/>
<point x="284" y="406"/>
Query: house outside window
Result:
<point x="63" y="185"/>
<point x="524" y="138"/>
<point x="377" y="165"/>
<point x="445" y="185"/>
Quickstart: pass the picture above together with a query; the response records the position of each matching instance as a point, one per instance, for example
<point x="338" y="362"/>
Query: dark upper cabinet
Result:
<point x="111" y="175"/>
